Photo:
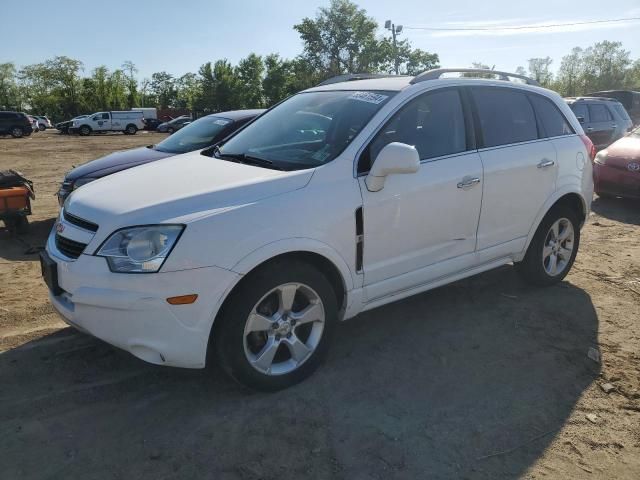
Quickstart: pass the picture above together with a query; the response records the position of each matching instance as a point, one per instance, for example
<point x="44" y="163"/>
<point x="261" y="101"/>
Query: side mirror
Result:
<point x="394" y="158"/>
<point x="580" y="119"/>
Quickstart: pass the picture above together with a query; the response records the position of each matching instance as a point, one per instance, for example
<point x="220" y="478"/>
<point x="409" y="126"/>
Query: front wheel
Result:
<point x="17" y="132"/>
<point x="553" y="248"/>
<point x="276" y="328"/>
<point x="85" y="130"/>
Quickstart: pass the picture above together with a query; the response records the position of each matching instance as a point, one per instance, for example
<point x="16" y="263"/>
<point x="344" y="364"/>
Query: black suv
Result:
<point x="604" y="120"/>
<point x="15" y="124"/>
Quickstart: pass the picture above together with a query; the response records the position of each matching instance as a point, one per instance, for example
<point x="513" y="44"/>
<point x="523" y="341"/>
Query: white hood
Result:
<point x="181" y="187"/>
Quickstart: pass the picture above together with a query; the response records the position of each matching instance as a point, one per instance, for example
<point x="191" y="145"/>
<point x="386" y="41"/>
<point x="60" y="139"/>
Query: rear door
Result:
<point x="520" y="168"/>
<point x="601" y="125"/>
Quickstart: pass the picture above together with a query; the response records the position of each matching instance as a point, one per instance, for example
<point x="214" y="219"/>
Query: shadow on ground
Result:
<point x="24" y="247"/>
<point x="619" y="209"/>
<point x="436" y="386"/>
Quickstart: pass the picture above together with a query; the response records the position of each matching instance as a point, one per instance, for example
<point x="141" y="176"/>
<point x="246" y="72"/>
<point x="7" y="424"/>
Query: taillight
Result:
<point x="591" y="149"/>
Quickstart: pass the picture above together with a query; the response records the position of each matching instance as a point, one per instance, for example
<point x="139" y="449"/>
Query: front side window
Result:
<point x="553" y="122"/>
<point x="307" y="130"/>
<point x="599" y="113"/>
<point x="195" y="136"/>
<point x="506" y="116"/>
<point x="433" y="123"/>
<point x="580" y="110"/>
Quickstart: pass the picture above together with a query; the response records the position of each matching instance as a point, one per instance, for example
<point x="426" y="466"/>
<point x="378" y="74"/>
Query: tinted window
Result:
<point x="552" y="120"/>
<point x="580" y="110"/>
<point x="433" y="123"/>
<point x="506" y="116"/>
<point x="621" y="111"/>
<point x="599" y="113"/>
<point x="307" y="130"/>
<point x="5" y="115"/>
<point x="195" y="136"/>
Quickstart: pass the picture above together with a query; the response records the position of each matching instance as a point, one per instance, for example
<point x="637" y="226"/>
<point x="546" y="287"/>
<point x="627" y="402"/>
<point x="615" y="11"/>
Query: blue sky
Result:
<point x="178" y="36"/>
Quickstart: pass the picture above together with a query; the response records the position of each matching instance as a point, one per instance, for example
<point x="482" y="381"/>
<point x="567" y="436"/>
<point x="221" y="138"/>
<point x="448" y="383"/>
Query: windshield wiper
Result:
<point x="244" y="158"/>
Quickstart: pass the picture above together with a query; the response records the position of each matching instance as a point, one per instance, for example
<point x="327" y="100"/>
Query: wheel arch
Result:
<point x="324" y="259"/>
<point x="572" y="198"/>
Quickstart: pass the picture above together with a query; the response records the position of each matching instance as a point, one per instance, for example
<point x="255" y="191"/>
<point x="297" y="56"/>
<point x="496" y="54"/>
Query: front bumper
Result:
<point x="131" y="312"/>
<point x="616" y="181"/>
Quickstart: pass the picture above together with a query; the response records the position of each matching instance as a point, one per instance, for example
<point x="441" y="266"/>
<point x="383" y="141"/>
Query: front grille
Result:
<point x="70" y="248"/>
<point x="80" y="222"/>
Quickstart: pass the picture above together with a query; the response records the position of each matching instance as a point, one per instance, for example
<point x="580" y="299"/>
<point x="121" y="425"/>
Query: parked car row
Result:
<point x="249" y="252"/>
<point x="604" y="120"/>
<point x="200" y="134"/>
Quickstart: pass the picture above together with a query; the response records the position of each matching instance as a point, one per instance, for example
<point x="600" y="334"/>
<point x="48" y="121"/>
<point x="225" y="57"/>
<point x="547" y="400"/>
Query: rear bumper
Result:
<point x="615" y="181"/>
<point x="130" y="311"/>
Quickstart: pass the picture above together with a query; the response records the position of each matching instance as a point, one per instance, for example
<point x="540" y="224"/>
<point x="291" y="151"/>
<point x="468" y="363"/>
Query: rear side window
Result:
<point x="433" y="123"/>
<point x="599" y="113"/>
<point x="5" y="115"/>
<point x="506" y="116"/>
<point x="552" y="120"/>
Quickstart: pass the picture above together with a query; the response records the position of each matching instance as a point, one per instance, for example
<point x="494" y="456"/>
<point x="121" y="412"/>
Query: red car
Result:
<point x="616" y="170"/>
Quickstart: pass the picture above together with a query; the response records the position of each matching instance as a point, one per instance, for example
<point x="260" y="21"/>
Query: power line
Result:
<point x="522" y="27"/>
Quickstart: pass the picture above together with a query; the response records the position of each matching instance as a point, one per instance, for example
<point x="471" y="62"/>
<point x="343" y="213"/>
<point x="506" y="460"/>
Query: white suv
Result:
<point x="342" y="198"/>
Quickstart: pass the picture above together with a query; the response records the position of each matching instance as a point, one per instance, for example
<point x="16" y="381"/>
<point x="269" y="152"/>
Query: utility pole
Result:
<point x="395" y="31"/>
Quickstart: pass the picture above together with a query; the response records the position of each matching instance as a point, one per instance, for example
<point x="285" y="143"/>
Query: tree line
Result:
<point x="340" y="39"/>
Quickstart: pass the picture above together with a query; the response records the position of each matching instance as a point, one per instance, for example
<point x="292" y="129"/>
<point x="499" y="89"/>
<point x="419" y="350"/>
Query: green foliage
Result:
<point x="340" y="39"/>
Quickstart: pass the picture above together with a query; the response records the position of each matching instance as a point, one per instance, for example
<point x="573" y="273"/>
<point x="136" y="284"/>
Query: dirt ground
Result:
<point x="485" y="378"/>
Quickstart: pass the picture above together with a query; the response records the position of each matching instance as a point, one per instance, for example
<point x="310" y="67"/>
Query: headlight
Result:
<point x="82" y="181"/>
<point x="601" y="158"/>
<point x="140" y="249"/>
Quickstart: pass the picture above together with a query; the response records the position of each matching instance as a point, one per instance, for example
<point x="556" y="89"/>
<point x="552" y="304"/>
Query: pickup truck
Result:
<point x="127" y="122"/>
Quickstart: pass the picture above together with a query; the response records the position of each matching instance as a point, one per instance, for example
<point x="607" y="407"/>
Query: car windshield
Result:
<point x="306" y="131"/>
<point x="195" y="136"/>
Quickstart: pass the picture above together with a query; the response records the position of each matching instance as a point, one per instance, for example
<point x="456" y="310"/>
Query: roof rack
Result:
<point x="594" y="97"/>
<point x="437" y="73"/>
<point x="350" y="77"/>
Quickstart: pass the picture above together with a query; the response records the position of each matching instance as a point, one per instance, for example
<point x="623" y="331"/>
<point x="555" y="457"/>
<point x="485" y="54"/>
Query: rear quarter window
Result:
<point x="619" y="108"/>
<point x="506" y="116"/>
<point x="553" y="122"/>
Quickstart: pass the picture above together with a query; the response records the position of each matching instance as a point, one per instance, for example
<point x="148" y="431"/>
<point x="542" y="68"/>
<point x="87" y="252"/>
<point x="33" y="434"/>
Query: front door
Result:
<point x="101" y="122"/>
<point x="418" y="222"/>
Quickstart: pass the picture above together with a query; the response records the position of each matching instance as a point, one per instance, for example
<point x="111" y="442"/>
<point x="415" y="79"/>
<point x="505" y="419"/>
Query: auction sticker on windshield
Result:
<point x="368" y="97"/>
<point x="222" y="122"/>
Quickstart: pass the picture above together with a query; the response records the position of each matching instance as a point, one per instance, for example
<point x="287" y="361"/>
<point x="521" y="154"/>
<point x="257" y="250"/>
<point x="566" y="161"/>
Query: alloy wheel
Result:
<point x="558" y="247"/>
<point x="283" y="329"/>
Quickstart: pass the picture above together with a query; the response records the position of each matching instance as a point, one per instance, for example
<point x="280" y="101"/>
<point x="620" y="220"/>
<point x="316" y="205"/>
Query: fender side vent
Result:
<point x="359" y="239"/>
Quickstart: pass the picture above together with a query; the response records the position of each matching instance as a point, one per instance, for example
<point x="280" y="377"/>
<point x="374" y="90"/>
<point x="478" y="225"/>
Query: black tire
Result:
<point x="17" y="224"/>
<point x="85" y="130"/>
<point x="41" y="127"/>
<point x="228" y="335"/>
<point x="131" y="129"/>
<point x="532" y="268"/>
<point x="17" y="132"/>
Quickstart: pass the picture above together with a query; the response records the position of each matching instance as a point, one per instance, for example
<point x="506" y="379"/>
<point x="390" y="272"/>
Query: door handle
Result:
<point x="614" y="126"/>
<point x="468" y="182"/>
<point x="589" y="129"/>
<point x="546" y="163"/>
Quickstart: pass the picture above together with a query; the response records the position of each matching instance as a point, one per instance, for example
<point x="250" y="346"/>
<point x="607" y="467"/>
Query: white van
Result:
<point x="128" y="122"/>
<point x="340" y="199"/>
